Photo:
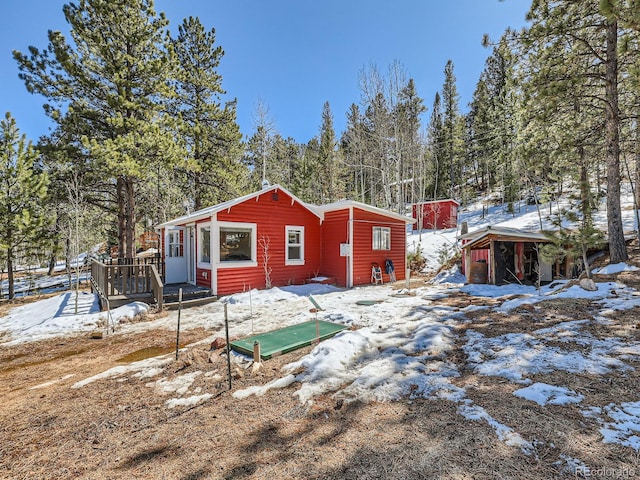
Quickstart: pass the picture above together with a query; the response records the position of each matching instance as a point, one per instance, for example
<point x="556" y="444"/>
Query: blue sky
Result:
<point x="294" y="54"/>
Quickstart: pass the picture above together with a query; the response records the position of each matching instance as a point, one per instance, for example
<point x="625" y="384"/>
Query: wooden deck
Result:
<point x="119" y="284"/>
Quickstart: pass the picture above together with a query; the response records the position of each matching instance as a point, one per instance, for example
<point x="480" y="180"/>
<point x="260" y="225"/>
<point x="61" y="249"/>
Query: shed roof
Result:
<point x="209" y="211"/>
<point x="481" y="238"/>
<point x="342" y="204"/>
<point x="426" y="202"/>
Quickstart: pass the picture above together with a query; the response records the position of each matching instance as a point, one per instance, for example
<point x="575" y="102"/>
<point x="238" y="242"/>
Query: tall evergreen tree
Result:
<point x="435" y="152"/>
<point x="23" y="187"/>
<point x="353" y="149"/>
<point x="407" y="123"/>
<point x="478" y="126"/>
<point x="576" y="62"/>
<point x="112" y="84"/>
<point x="328" y="173"/>
<point x="209" y="129"/>
<point x="452" y="127"/>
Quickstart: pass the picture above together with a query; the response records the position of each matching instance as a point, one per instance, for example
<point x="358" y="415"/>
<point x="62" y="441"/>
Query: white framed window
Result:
<point x="204" y="244"/>
<point x="174" y="245"/>
<point x="294" y="248"/>
<point x="237" y="245"/>
<point x="381" y="238"/>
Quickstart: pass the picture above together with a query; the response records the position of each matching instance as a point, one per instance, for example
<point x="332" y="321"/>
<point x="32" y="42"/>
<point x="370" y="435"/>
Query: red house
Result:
<point x="272" y="236"/>
<point x="435" y="215"/>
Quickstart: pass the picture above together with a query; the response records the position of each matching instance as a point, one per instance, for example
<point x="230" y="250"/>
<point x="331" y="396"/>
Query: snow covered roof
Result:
<point x="342" y="204"/>
<point x="209" y="211"/>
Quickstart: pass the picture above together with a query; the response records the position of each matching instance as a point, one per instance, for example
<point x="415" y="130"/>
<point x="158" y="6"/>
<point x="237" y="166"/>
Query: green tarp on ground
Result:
<point x="287" y="339"/>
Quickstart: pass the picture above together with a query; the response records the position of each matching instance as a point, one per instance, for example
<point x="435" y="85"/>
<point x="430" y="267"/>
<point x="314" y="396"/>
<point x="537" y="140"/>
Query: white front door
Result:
<point x="175" y="260"/>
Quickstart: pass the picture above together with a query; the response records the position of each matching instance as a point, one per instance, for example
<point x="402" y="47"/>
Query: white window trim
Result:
<point x="373" y="237"/>
<point x="295" y="228"/>
<point x="200" y="227"/>
<point x="215" y="245"/>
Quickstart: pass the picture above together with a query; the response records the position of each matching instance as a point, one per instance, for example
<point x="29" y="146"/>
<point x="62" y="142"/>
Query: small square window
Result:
<point x="236" y="244"/>
<point x="381" y="238"/>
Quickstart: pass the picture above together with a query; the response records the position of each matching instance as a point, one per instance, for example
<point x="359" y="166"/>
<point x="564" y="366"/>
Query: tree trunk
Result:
<point x="637" y="158"/>
<point x="585" y="191"/>
<point x="122" y="220"/>
<point x="130" y="234"/>
<point x="67" y="260"/>
<point x="617" y="246"/>
<point x="10" y="273"/>
<point x="52" y="264"/>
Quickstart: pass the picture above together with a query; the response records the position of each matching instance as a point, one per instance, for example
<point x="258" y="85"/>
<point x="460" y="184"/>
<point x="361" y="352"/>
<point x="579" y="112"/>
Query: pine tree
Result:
<point x="75" y="196"/>
<point x="328" y="174"/>
<point x="353" y="150"/>
<point x="436" y="152"/>
<point x="409" y="165"/>
<point x="452" y="128"/>
<point x="209" y="129"/>
<point x="574" y="58"/>
<point x="111" y="84"/>
<point x="23" y="187"/>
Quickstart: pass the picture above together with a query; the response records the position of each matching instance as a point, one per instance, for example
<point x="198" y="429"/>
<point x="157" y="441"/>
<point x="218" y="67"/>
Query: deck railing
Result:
<point x="122" y="280"/>
<point x="155" y="260"/>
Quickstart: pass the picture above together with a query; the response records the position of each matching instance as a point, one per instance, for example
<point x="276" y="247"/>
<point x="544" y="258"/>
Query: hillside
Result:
<point x="439" y="244"/>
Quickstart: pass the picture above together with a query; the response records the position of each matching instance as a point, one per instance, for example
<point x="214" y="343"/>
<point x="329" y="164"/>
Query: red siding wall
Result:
<point x="335" y="230"/>
<point x="271" y="215"/>
<point x="436" y="215"/>
<point x="363" y="253"/>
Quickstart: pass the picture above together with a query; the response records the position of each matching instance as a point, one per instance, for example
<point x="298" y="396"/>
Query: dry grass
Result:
<point x="120" y="428"/>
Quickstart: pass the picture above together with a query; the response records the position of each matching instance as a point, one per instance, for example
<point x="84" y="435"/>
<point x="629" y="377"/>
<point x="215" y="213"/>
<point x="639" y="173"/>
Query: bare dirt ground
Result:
<point x="121" y="429"/>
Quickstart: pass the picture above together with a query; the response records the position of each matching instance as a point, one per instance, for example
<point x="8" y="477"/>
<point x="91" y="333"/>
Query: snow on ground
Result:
<point x="544" y="394"/>
<point x="61" y="315"/>
<point x="38" y="282"/>
<point x="515" y="356"/>
<point x="620" y="423"/>
<point x="615" y="268"/>
<point x="504" y="433"/>
<point x="400" y="346"/>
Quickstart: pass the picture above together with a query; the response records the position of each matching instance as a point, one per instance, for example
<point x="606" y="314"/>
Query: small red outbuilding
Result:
<point x="436" y="215"/>
<point x="271" y="236"/>
<point x="355" y="235"/>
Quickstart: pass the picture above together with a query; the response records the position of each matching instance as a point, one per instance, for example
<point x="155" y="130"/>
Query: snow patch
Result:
<point x="544" y="394"/>
<point x="189" y="401"/>
<point x="505" y="433"/>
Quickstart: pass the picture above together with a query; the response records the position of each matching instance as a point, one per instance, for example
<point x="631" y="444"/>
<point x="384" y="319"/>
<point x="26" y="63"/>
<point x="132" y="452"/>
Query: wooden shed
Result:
<point x="498" y="255"/>
<point x="436" y="214"/>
